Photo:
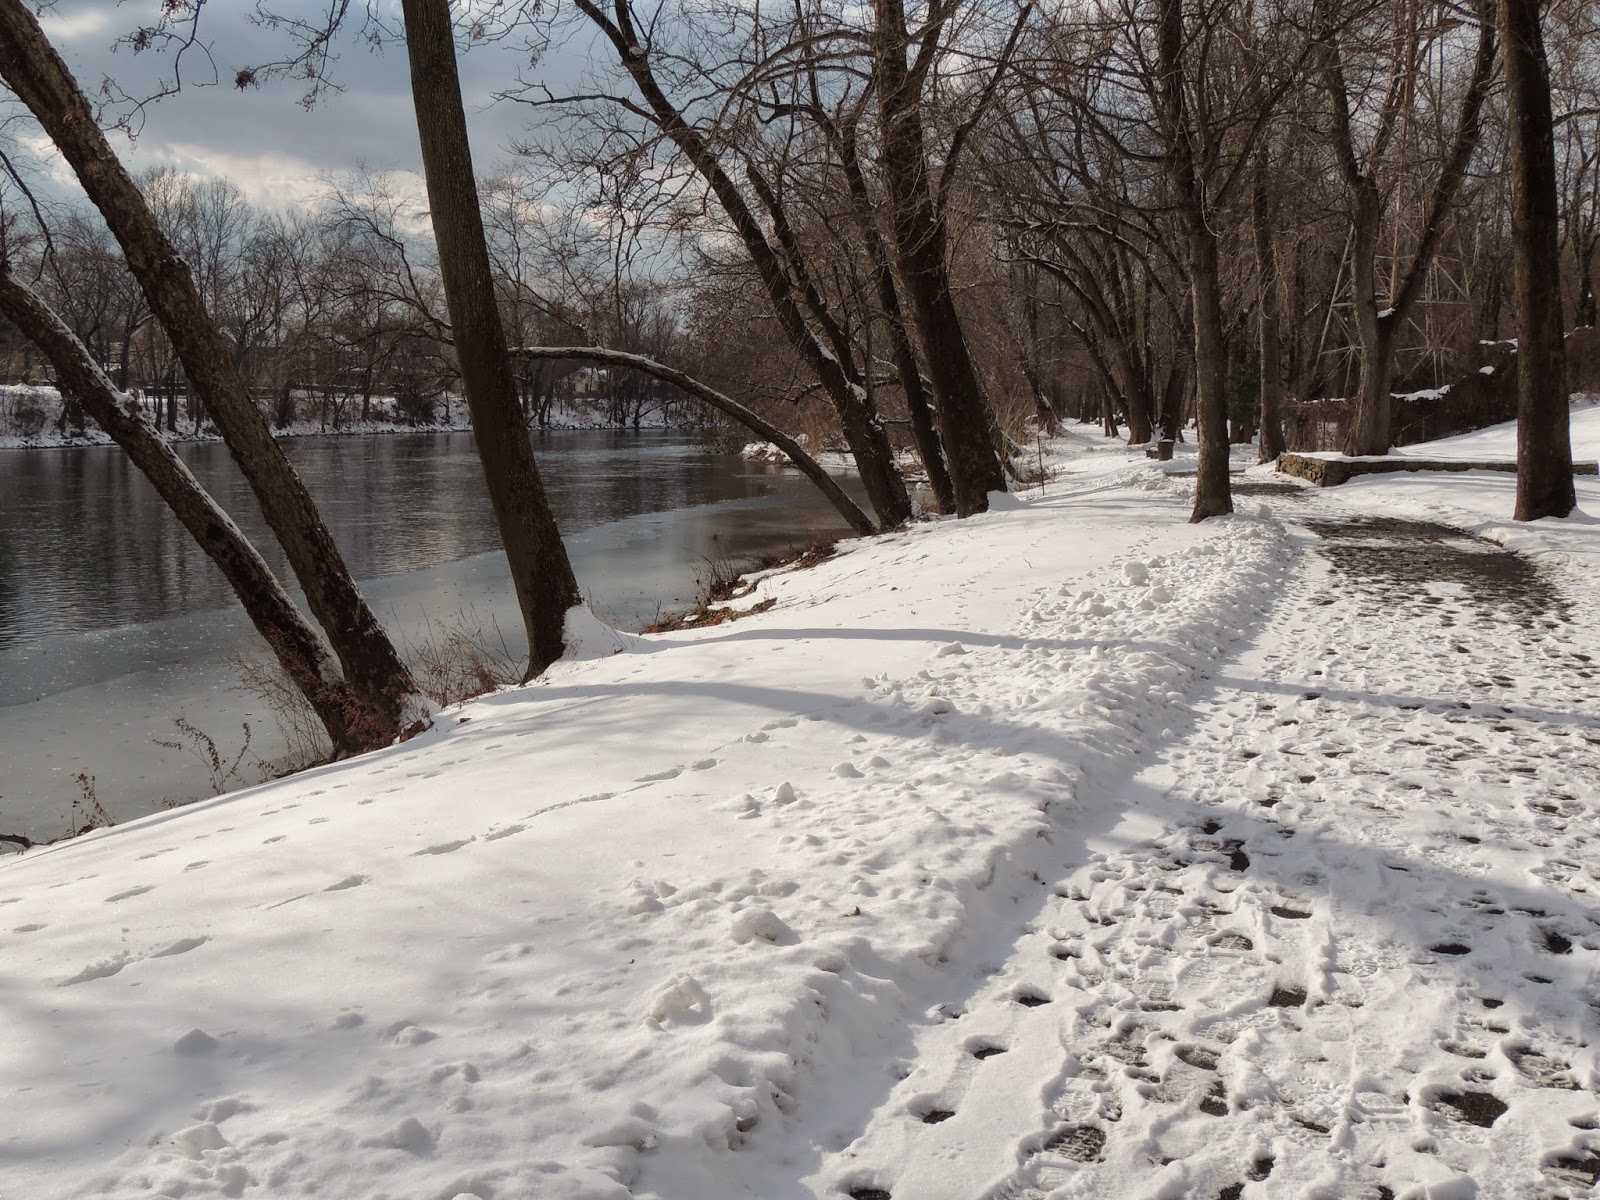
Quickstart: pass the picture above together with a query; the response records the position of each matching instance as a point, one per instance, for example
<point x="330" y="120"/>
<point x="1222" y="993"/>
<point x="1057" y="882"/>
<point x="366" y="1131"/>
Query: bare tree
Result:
<point x="293" y="642"/>
<point x="34" y="71"/>
<point x="540" y="570"/>
<point x="1410" y="34"/>
<point x="1544" y="442"/>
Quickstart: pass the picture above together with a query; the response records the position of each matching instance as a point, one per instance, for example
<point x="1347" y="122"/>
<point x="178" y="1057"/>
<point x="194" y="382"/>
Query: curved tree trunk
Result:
<point x="862" y="428"/>
<point x="843" y="505"/>
<point x="351" y="726"/>
<point x="35" y="72"/>
<point x="540" y="570"/>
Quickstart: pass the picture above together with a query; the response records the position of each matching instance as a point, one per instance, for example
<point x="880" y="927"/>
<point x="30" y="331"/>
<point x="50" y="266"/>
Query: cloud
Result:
<point x="268" y="179"/>
<point x="75" y="26"/>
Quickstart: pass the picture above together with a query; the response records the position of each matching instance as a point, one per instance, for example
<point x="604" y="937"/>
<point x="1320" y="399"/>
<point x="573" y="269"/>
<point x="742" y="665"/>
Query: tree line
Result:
<point x="932" y="228"/>
<point x="335" y="312"/>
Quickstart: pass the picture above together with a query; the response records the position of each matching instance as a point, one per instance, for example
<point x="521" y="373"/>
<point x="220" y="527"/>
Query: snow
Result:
<point x="835" y="461"/>
<point x="1068" y="850"/>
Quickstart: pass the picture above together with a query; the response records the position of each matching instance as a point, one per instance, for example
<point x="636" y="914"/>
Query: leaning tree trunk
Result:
<point x="918" y="408"/>
<point x="862" y="428"/>
<point x="966" y="424"/>
<point x="352" y="726"/>
<point x="540" y="570"/>
<point x="753" y="421"/>
<point x="1544" y="439"/>
<point x="36" y="73"/>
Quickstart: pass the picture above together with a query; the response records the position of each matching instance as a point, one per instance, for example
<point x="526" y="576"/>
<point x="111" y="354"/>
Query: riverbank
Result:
<point x="113" y="625"/>
<point x="1071" y="849"/>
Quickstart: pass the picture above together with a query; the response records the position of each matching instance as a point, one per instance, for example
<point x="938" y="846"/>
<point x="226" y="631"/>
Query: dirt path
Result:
<point x="1344" y="941"/>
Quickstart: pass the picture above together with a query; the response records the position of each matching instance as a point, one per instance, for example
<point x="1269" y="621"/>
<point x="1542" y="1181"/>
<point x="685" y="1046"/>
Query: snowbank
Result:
<point x="739" y="911"/>
<point x="599" y="933"/>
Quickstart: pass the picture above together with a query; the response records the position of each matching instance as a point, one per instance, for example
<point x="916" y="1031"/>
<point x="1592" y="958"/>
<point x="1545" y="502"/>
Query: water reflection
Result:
<point x="86" y="543"/>
<point x="112" y="621"/>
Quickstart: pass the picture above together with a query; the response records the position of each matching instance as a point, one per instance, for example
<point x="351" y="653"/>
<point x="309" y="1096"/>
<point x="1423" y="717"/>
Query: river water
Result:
<point x="113" y="625"/>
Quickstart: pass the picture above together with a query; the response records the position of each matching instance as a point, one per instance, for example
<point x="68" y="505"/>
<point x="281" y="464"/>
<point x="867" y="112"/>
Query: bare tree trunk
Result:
<point x="918" y="409"/>
<point x="965" y="421"/>
<point x="540" y="570"/>
<point x="1544" y="440"/>
<point x="35" y="72"/>
<point x="1212" y="493"/>
<point x="1269" y="316"/>
<point x="1369" y="428"/>
<point x="352" y="727"/>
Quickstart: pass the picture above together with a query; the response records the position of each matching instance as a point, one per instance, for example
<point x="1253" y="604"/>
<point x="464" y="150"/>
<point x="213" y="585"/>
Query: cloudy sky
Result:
<point x="263" y="139"/>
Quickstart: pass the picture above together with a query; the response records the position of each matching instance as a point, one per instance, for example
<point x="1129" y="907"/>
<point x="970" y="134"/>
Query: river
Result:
<point x="113" y="625"/>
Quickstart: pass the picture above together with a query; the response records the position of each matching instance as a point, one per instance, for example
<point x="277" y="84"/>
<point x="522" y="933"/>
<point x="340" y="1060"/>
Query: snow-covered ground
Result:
<point x="1069" y="850"/>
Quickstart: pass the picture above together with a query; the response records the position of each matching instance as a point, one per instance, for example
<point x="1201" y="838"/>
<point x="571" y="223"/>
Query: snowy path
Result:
<point x="1332" y="948"/>
<point x="1068" y="850"/>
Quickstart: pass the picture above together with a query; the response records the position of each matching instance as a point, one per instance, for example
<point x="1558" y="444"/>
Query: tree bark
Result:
<point x="540" y="570"/>
<point x="352" y="726"/>
<point x="1544" y="440"/>
<point x="1369" y="428"/>
<point x="966" y="423"/>
<point x="1212" y="493"/>
<point x="918" y="409"/>
<point x="35" y="72"/>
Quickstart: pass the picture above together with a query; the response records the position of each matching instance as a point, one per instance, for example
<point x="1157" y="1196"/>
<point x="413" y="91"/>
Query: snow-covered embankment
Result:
<point x="590" y="937"/>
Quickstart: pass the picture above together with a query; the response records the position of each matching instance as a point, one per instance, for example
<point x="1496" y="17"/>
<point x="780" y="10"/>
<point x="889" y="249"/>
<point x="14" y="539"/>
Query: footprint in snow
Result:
<point x="658" y="776"/>
<point x="443" y="848"/>
<point x="103" y="969"/>
<point x="181" y="946"/>
<point x="497" y="834"/>
<point x="404" y="1033"/>
<point x="345" y="884"/>
<point x="129" y="894"/>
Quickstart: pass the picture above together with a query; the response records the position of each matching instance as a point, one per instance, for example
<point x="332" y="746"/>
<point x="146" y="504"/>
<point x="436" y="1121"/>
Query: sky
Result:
<point x="263" y="139"/>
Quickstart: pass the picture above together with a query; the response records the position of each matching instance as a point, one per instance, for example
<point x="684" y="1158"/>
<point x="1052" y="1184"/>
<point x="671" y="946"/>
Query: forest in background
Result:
<point x="1354" y="175"/>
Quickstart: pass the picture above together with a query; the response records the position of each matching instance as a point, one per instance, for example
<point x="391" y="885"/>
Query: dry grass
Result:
<point x="724" y="582"/>
<point x="458" y="659"/>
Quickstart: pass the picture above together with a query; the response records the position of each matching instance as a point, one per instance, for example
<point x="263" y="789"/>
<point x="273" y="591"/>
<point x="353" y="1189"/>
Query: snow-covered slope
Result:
<point x="859" y="895"/>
